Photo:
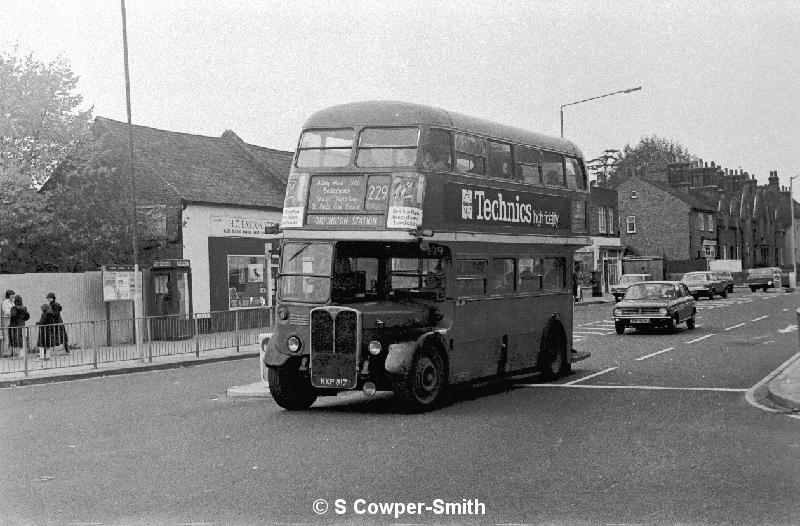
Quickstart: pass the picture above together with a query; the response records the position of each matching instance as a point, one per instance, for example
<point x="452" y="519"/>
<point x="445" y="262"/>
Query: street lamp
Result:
<point x="791" y="211"/>
<point x="629" y="90"/>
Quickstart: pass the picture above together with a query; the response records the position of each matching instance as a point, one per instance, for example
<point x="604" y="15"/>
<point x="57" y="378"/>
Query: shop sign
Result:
<point x="242" y="227"/>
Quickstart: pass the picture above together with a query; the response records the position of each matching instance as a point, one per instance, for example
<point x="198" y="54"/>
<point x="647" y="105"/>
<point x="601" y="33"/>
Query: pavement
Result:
<point x="783" y="387"/>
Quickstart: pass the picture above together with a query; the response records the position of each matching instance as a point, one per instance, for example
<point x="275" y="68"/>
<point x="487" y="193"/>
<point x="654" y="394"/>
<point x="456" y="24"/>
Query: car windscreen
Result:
<point x="650" y="291"/>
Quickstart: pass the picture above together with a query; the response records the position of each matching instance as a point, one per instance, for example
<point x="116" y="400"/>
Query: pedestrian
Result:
<point x="46" y="332"/>
<point x="5" y="315"/>
<point x="19" y="315"/>
<point x="59" y="331"/>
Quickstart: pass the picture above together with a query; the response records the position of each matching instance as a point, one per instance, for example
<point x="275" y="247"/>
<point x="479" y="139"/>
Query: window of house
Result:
<point x="529" y="167"/>
<point x="500" y="160"/>
<point x="710" y="251"/>
<point x="470" y="154"/>
<point x="634" y="195"/>
<point x="610" y="220"/>
<point x="601" y="219"/>
<point x="710" y="222"/>
<point x="553" y="169"/>
<point x="700" y="221"/>
<point x="630" y="221"/>
<point x="578" y="216"/>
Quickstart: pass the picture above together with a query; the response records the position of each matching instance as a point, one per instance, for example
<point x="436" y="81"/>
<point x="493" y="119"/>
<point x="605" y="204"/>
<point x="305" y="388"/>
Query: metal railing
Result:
<point x="90" y="343"/>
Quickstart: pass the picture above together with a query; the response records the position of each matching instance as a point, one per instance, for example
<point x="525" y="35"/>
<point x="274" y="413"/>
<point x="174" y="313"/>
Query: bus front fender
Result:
<point x="399" y="356"/>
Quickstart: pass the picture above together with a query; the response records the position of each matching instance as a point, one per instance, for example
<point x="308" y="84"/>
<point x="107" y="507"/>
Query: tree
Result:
<point x="39" y="116"/>
<point x="652" y="152"/>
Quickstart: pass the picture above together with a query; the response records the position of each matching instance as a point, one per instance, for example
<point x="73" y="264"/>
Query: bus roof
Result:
<point x="397" y="113"/>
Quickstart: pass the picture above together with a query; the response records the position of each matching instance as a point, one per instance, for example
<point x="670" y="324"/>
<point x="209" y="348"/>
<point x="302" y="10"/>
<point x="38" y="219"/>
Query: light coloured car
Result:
<point x="655" y="304"/>
<point x="704" y="284"/>
<point x="626" y="281"/>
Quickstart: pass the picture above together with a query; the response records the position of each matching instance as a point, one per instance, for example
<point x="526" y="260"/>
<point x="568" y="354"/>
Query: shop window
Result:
<point x="247" y="284"/>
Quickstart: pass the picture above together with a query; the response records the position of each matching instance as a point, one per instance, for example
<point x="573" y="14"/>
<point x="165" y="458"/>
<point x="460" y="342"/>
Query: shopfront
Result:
<point x="230" y="253"/>
<point x="602" y="259"/>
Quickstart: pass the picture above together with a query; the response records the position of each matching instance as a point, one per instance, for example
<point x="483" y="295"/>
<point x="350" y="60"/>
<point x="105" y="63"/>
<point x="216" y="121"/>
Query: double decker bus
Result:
<point x="422" y="248"/>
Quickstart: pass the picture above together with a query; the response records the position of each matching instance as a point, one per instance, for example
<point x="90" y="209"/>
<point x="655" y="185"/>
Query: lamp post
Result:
<point x="629" y="90"/>
<point x="791" y="211"/>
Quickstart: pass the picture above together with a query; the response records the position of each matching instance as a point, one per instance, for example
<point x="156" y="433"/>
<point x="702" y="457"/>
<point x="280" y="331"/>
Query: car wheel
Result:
<point x="764" y="288"/>
<point x="710" y="294"/>
<point x="724" y="293"/>
<point x="753" y="289"/>
<point x="425" y="384"/>
<point x="673" y="323"/>
<point x="690" y="322"/>
<point x="619" y="326"/>
<point x="290" y="388"/>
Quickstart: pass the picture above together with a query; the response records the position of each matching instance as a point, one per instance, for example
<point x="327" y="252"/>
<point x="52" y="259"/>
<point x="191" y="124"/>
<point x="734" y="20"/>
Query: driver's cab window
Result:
<point x="355" y="278"/>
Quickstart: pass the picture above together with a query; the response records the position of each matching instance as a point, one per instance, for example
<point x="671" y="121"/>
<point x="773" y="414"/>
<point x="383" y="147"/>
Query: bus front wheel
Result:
<point x="552" y="361"/>
<point x="424" y="386"/>
<point x="290" y="388"/>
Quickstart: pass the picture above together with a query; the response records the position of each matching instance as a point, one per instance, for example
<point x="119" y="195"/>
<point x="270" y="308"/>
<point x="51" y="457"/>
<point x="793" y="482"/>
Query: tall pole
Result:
<point x="794" y="241"/>
<point x="137" y="296"/>
<point x="629" y="90"/>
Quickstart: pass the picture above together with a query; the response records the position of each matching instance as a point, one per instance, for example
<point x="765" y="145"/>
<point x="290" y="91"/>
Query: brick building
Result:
<point x="604" y="255"/>
<point x="691" y="213"/>
<point x="210" y="200"/>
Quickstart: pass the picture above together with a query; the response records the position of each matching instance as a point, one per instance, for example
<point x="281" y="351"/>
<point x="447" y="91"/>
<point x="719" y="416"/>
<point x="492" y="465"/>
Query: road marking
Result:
<point x="761" y="318"/>
<point x="642" y="387"/>
<point x="590" y="376"/>
<point x="789" y="328"/>
<point x="592" y="332"/>
<point x="655" y="353"/>
<point x="734" y="327"/>
<point x="700" y="338"/>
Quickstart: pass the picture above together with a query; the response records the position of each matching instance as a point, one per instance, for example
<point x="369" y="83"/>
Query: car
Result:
<point x="725" y="276"/>
<point x="704" y="284"/>
<point x="625" y="281"/>
<point x="655" y="304"/>
<point x="764" y="278"/>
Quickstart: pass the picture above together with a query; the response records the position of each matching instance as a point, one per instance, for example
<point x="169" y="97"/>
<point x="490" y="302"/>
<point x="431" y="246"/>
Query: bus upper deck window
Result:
<point x="325" y="148"/>
<point x="499" y="160"/>
<point x="438" y="153"/>
<point x="576" y="177"/>
<point x="529" y="164"/>
<point x="387" y="147"/>
<point x="470" y="154"/>
<point x="553" y="169"/>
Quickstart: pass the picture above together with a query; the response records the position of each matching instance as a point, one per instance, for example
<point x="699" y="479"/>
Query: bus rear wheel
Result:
<point x="425" y="384"/>
<point x="552" y="361"/>
<point x="290" y="388"/>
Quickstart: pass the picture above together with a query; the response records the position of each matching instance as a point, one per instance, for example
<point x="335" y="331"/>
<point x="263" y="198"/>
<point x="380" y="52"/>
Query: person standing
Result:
<point x="59" y="331"/>
<point x="5" y="314"/>
<point x="47" y="332"/>
<point x="19" y="315"/>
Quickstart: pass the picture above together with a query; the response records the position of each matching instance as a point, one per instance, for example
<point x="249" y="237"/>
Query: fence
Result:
<point x="102" y="341"/>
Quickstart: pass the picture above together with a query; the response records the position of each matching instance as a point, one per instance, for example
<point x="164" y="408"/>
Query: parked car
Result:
<point x="655" y="304"/>
<point x="704" y="284"/>
<point x="764" y="278"/>
<point x="725" y="276"/>
<point x="626" y="281"/>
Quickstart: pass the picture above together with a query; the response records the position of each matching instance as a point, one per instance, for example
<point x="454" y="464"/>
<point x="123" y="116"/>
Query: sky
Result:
<point x="718" y="77"/>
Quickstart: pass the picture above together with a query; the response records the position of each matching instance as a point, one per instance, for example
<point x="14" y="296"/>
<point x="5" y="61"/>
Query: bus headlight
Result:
<point x="662" y="312"/>
<point x="617" y="312"/>
<point x="293" y="343"/>
<point x="374" y="348"/>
